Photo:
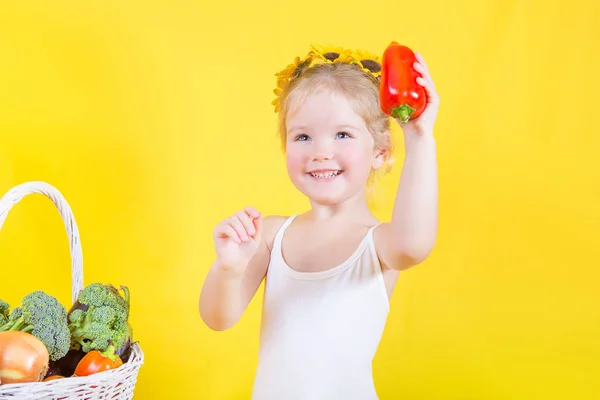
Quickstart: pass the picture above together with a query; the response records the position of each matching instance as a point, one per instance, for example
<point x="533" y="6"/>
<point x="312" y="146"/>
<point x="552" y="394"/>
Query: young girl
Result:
<point x="330" y="271"/>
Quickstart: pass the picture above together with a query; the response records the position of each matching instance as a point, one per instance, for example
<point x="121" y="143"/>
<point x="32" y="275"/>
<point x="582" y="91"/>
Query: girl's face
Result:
<point x="329" y="150"/>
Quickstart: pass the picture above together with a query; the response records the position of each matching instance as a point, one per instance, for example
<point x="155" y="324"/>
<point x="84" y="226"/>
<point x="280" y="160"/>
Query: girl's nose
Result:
<point x="322" y="151"/>
<point x="322" y="154"/>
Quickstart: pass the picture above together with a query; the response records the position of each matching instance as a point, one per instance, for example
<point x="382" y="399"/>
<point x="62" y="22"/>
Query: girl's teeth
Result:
<point x="325" y="175"/>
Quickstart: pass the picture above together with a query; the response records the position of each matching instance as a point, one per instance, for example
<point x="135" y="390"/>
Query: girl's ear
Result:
<point x="379" y="157"/>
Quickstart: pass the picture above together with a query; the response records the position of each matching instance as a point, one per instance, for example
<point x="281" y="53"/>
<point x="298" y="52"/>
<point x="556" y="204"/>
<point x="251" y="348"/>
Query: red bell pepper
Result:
<point x="400" y="96"/>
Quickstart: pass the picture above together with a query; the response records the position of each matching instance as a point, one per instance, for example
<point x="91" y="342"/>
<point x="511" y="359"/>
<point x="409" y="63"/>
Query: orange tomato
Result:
<point x="94" y="362"/>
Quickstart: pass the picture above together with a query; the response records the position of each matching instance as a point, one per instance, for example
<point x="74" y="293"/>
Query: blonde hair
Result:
<point x="360" y="88"/>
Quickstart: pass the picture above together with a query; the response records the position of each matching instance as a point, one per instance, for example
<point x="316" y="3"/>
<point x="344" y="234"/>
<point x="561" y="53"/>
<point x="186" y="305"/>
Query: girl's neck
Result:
<point x="354" y="208"/>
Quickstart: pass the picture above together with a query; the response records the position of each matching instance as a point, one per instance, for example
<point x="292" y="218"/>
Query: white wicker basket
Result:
<point x="116" y="384"/>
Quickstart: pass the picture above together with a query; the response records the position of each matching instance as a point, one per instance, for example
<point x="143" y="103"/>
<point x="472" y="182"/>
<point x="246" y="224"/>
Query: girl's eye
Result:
<point x="342" y="135"/>
<point x="302" y="137"/>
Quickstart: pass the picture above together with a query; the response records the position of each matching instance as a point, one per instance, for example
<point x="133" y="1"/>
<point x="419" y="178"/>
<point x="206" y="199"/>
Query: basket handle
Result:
<point x="16" y="194"/>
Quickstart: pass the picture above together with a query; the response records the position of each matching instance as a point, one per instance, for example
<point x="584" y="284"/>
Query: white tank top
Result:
<point x="320" y="330"/>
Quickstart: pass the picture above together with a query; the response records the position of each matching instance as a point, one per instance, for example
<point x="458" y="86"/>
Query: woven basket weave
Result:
<point x="116" y="384"/>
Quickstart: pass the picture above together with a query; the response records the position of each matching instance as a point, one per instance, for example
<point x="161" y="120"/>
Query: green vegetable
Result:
<point x="4" y="311"/>
<point x="42" y="316"/>
<point x="99" y="318"/>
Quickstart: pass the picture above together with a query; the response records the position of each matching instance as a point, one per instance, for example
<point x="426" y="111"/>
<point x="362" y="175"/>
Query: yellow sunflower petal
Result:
<point x="315" y="55"/>
<point x="282" y="81"/>
<point x="317" y="48"/>
<point x="316" y="61"/>
<point x="347" y="56"/>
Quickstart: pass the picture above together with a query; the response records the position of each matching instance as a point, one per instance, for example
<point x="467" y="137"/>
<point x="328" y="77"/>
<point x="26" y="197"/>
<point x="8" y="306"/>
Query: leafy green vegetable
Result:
<point x="44" y="317"/>
<point x="99" y="319"/>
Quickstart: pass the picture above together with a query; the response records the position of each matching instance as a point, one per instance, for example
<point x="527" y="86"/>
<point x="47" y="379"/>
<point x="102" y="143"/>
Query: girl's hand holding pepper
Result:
<point x="423" y="124"/>
<point x="407" y="92"/>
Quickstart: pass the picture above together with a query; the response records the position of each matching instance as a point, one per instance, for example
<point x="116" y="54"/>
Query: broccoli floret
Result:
<point x="45" y="318"/>
<point x="104" y="315"/>
<point x="99" y="319"/>
<point x="4" y="312"/>
<point x="76" y="316"/>
<point x="16" y="313"/>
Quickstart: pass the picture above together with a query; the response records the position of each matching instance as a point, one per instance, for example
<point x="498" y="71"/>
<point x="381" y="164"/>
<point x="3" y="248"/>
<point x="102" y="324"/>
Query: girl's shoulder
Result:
<point x="274" y="222"/>
<point x="271" y="225"/>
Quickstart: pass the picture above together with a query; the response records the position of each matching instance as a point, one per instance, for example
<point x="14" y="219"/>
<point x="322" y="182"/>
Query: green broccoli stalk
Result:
<point x="99" y="319"/>
<point x="45" y="318"/>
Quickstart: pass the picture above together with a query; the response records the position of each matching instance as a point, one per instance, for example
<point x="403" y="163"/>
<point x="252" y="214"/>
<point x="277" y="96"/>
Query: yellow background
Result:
<point x="154" y="120"/>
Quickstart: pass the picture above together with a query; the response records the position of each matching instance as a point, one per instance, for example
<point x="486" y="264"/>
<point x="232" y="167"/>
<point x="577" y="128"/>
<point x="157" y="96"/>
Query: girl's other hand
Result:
<point x="237" y="239"/>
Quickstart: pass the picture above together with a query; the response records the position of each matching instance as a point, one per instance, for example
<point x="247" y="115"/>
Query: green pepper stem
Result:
<point x="403" y="112"/>
<point x="110" y="353"/>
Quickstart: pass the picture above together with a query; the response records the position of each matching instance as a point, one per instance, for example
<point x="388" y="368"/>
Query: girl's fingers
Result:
<point x="419" y="67"/>
<point x="258" y="226"/>
<point x="422" y="70"/>
<point x="425" y="80"/>
<point x="226" y="230"/>
<point x="252" y="212"/>
<point x="239" y="228"/>
<point x="432" y="96"/>
<point x="246" y="221"/>
<point x="421" y="61"/>
<point x="427" y="84"/>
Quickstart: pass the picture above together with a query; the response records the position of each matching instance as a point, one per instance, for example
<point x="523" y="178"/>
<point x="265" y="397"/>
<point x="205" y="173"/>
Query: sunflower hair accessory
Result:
<point x="366" y="61"/>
